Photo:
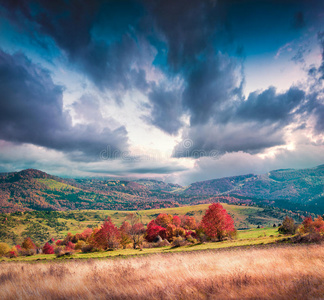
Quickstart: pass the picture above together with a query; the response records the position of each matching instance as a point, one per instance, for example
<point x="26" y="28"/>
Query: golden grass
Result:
<point x="284" y="272"/>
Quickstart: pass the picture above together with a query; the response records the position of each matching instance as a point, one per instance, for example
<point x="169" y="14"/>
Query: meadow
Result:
<point x="41" y="226"/>
<point x="280" y="272"/>
<point x="245" y="238"/>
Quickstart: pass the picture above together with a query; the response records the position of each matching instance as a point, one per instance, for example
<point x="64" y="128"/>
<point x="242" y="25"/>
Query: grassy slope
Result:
<point x="53" y="184"/>
<point x="77" y="221"/>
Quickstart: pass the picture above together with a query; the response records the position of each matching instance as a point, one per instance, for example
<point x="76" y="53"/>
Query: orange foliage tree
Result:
<point x="163" y="220"/>
<point x="28" y="244"/>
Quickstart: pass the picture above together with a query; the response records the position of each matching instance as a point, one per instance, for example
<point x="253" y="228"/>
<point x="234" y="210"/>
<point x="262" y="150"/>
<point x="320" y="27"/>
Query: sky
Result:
<point x="181" y="91"/>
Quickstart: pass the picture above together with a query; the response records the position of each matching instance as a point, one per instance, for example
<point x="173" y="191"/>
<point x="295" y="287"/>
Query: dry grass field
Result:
<point x="284" y="272"/>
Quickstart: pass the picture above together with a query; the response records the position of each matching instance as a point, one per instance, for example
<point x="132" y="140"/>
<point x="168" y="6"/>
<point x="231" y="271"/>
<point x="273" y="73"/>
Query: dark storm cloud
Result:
<point x="211" y="86"/>
<point x="321" y="41"/>
<point x="97" y="36"/>
<point x="250" y="125"/>
<point x="315" y="106"/>
<point x="268" y="106"/>
<point x="166" y="109"/>
<point x="31" y="111"/>
<point x="112" y="41"/>
<point x="189" y="28"/>
<point x="215" y="140"/>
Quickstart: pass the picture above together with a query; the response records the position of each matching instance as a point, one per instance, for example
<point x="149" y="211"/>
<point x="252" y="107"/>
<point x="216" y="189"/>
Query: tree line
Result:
<point x="165" y="229"/>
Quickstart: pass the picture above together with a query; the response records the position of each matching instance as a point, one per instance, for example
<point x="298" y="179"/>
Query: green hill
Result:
<point x="291" y="189"/>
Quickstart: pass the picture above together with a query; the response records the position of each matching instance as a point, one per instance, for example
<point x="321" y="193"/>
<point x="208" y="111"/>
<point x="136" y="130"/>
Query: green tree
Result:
<point x="288" y="226"/>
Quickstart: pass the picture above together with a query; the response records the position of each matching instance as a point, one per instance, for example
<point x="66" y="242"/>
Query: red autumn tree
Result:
<point x="107" y="237"/>
<point x="153" y="230"/>
<point x="48" y="249"/>
<point x="176" y="221"/>
<point x="85" y="234"/>
<point x="69" y="246"/>
<point x="217" y="223"/>
<point x="308" y="225"/>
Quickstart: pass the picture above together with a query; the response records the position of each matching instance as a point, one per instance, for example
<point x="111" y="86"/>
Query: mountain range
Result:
<point x="36" y="190"/>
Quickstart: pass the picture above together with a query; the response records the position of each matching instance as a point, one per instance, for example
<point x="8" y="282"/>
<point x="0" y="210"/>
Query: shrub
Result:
<point x="288" y="226"/>
<point x="311" y="237"/>
<point x="85" y="234"/>
<point x="27" y="252"/>
<point x="69" y="246"/>
<point x="12" y="254"/>
<point x="59" y="252"/>
<point x="67" y="239"/>
<point x="48" y="249"/>
<point x="4" y="249"/>
<point x="87" y="248"/>
<point x="153" y="230"/>
<point x="178" y="242"/>
<point x="79" y="245"/>
<point x="310" y="226"/>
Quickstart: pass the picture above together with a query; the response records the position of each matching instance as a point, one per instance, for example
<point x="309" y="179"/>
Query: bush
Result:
<point x="312" y="237"/>
<point x="4" y="249"/>
<point x="27" y="252"/>
<point x="69" y="246"/>
<point x="59" y="252"/>
<point x="178" y="242"/>
<point x="288" y="226"/>
<point x="191" y="239"/>
<point x="79" y="245"/>
<point x="87" y="248"/>
<point x="12" y="254"/>
<point x="48" y="249"/>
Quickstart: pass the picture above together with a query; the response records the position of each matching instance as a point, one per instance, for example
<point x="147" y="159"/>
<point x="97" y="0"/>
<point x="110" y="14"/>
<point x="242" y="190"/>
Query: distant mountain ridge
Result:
<point x="304" y="187"/>
<point x="285" y="188"/>
<point x="36" y="190"/>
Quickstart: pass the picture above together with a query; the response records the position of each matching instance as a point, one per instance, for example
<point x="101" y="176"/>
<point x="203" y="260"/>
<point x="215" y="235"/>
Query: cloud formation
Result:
<point x="183" y="61"/>
<point x="31" y="111"/>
